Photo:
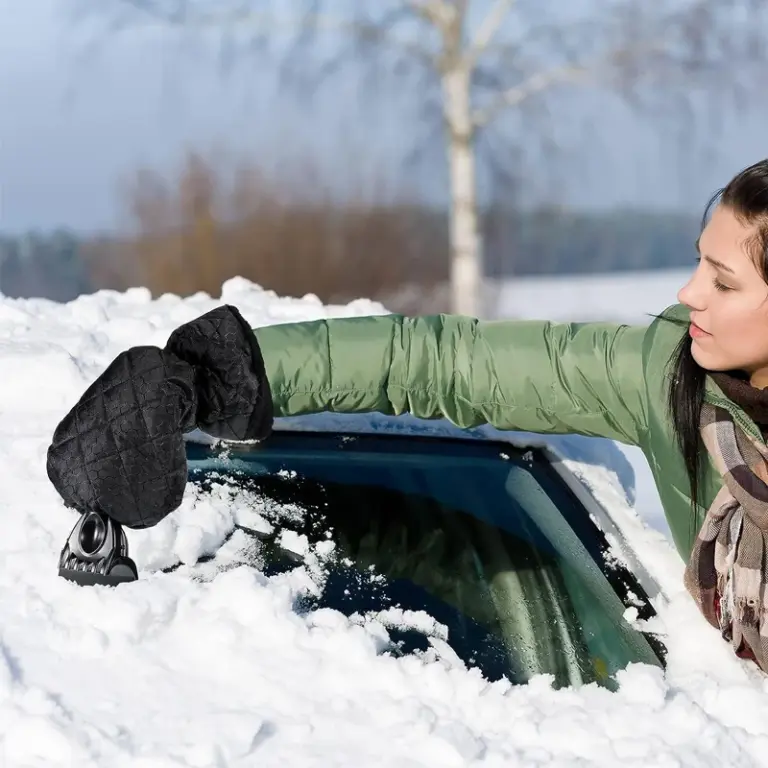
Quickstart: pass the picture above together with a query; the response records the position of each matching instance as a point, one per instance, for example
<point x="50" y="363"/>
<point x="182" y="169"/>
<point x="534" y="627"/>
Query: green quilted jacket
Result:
<point x="598" y="379"/>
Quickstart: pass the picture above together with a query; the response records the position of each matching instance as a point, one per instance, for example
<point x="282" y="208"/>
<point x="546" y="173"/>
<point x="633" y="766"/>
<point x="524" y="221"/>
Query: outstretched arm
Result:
<point x="536" y="376"/>
<point x="120" y="448"/>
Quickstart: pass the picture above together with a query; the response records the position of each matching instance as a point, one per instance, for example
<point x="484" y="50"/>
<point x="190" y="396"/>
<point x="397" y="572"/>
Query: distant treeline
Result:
<point x="565" y="242"/>
<point x="48" y="265"/>
<point x="339" y="253"/>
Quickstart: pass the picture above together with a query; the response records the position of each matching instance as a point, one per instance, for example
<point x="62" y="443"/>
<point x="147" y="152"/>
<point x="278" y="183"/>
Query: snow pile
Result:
<point x="220" y="670"/>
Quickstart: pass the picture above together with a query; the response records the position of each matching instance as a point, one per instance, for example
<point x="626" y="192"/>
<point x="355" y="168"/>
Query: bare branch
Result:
<point x="663" y="52"/>
<point x="522" y="91"/>
<point x="267" y="24"/>
<point x="437" y="12"/>
<point x="377" y="33"/>
<point x="489" y="27"/>
<point x="368" y="38"/>
<point x="180" y="16"/>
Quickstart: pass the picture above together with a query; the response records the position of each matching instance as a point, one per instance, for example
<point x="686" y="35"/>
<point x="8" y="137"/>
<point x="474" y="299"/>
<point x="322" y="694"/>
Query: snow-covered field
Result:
<point x="169" y="672"/>
<point x="629" y="297"/>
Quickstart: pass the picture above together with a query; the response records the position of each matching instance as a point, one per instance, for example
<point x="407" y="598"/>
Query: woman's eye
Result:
<point x="718" y="285"/>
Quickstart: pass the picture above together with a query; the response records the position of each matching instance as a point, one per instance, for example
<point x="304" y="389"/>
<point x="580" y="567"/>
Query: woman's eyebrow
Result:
<point x="713" y="261"/>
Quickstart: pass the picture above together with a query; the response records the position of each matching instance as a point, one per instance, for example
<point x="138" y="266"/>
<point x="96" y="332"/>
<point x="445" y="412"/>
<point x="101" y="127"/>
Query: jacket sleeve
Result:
<point x="535" y="376"/>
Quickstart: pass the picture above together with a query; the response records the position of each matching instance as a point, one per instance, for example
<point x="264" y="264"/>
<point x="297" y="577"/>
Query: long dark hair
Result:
<point x="747" y="196"/>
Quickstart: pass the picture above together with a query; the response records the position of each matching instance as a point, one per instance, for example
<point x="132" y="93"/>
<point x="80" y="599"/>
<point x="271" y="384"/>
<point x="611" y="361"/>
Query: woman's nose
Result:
<point x="693" y="294"/>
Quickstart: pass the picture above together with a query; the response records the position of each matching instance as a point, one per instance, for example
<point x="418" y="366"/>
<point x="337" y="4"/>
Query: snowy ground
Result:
<point x="167" y="672"/>
<point x="629" y="296"/>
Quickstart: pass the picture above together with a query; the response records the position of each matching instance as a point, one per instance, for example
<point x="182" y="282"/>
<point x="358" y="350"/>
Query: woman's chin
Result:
<point x="706" y="359"/>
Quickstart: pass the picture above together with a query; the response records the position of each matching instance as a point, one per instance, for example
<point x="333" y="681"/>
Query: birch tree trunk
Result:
<point x="465" y="243"/>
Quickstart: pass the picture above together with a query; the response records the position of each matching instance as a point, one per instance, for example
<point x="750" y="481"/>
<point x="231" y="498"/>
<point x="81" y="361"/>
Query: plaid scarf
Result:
<point x="726" y="573"/>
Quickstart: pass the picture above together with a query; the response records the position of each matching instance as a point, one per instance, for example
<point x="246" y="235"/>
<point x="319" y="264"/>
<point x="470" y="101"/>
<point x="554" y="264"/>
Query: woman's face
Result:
<point x="728" y="299"/>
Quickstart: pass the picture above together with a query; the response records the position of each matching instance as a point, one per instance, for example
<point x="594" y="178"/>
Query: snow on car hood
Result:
<point x="169" y="671"/>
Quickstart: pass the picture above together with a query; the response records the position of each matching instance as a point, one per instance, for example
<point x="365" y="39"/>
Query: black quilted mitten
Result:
<point x="234" y="400"/>
<point x="120" y="450"/>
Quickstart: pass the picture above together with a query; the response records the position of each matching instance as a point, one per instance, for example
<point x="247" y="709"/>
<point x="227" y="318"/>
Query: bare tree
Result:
<point x="476" y="60"/>
<point x="214" y="218"/>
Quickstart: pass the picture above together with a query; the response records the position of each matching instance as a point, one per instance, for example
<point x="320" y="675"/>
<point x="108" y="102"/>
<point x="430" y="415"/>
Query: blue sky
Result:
<point x="72" y="123"/>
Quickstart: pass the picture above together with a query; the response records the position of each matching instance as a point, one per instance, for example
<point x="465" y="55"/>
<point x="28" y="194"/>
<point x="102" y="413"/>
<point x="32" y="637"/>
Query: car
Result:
<point x="465" y="545"/>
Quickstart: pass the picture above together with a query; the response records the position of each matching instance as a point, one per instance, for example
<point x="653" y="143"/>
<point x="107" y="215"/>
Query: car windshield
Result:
<point x="486" y="539"/>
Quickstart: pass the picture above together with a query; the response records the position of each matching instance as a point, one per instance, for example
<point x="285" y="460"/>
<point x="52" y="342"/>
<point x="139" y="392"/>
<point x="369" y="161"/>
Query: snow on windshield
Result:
<point x="175" y="671"/>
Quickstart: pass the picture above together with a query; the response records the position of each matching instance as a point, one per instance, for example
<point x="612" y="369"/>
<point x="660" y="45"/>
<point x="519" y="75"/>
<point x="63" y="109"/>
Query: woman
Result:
<point x="688" y="389"/>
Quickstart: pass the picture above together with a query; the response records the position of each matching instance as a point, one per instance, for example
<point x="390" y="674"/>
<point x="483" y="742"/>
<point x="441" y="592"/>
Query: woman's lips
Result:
<point x="696" y="332"/>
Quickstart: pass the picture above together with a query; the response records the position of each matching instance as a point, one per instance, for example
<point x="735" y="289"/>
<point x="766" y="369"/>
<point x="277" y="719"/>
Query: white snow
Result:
<point x="171" y="671"/>
<point x="629" y="297"/>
